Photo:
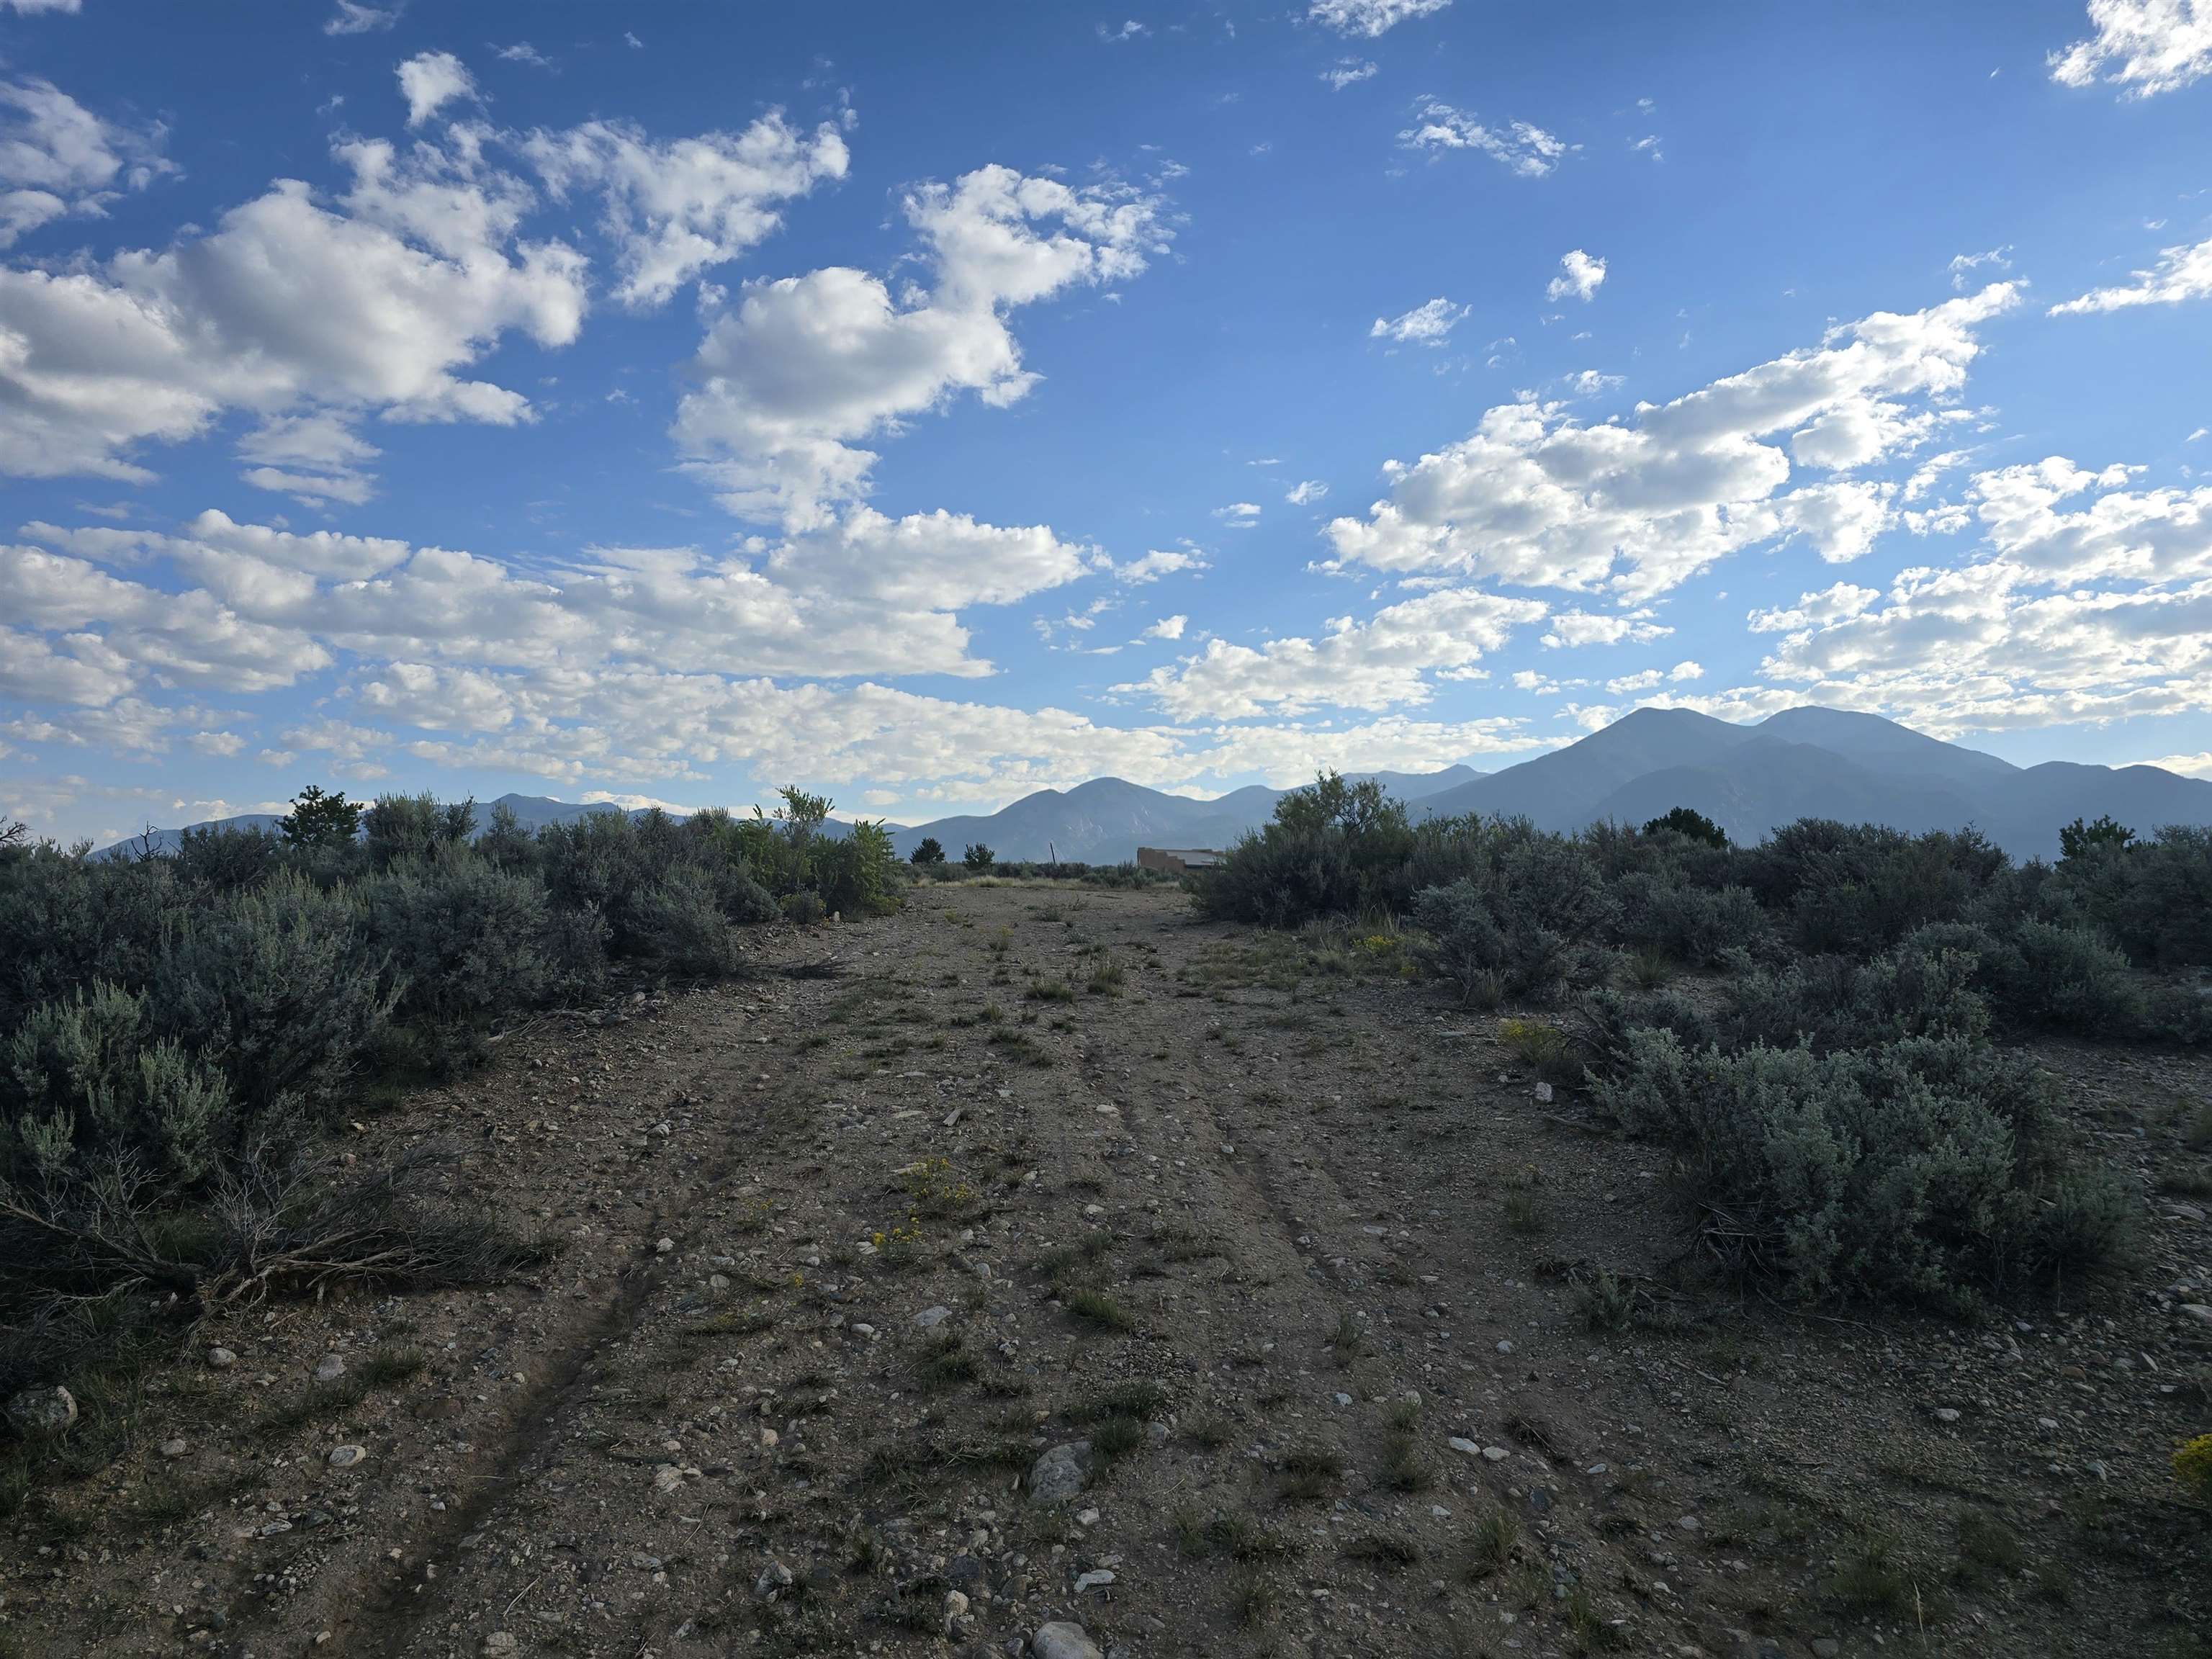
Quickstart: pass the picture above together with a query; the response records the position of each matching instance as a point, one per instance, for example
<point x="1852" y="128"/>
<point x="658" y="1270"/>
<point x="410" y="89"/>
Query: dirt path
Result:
<point x="1296" y="1252"/>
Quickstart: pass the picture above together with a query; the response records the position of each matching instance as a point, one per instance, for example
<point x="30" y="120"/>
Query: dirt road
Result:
<point x="1289" y="1247"/>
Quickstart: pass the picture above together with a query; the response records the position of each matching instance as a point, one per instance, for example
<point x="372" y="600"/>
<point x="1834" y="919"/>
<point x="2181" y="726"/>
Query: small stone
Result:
<point x="1086" y="1517"/>
<point x="1544" y="1093"/>
<point x="42" y="1411"/>
<point x="930" y="1318"/>
<point x="1825" y="1647"/>
<point x="666" y="1478"/>
<point x="1463" y="1446"/>
<point x="1946" y="1413"/>
<point x="1496" y="1454"/>
<point x="662" y="1246"/>
<point x="775" y="1579"/>
<point x="1506" y="1347"/>
<point x="2196" y="1310"/>
<point x="500" y="1642"/>
<point x="1689" y="1523"/>
<point x="176" y="1447"/>
<point x="769" y="1437"/>
<point x="956" y="1606"/>
<point x="346" y="1457"/>
<point x="221" y="1358"/>
<point x="1060" y="1472"/>
<point x="1096" y="1580"/>
<point x="329" y="1368"/>
<point x="1061" y="1640"/>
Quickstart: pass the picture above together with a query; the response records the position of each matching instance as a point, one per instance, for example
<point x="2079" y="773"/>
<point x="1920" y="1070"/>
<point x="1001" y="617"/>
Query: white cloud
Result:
<point x="1429" y="324"/>
<point x="352" y="18"/>
<point x="1533" y="498"/>
<point x="1648" y="145"/>
<point x="1167" y="628"/>
<point x="1525" y="148"/>
<point x="1159" y="563"/>
<point x="2155" y="536"/>
<point x="1306" y="492"/>
<point x="1348" y="72"/>
<point x="2182" y="273"/>
<point x="1588" y="383"/>
<point x="2189" y="766"/>
<point x="431" y="80"/>
<point x="1569" y="629"/>
<point x="1964" y="268"/>
<point x="31" y="7"/>
<point x="379" y="300"/>
<point x="1239" y="515"/>
<point x="803" y="369"/>
<point x="2141" y="46"/>
<point x="1580" y="277"/>
<point x="1130" y="30"/>
<point x="1386" y="661"/>
<point x="314" y="458"/>
<point x="523" y="52"/>
<point x="675" y="207"/>
<point x="1369" y="18"/>
<point x="58" y="158"/>
<point x="1686" y="671"/>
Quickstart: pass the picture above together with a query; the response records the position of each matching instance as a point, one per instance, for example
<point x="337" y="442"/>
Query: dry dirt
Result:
<point x="1298" y="1249"/>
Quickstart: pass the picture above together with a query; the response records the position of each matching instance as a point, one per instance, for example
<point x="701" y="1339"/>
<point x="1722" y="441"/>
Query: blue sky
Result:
<point x="933" y="405"/>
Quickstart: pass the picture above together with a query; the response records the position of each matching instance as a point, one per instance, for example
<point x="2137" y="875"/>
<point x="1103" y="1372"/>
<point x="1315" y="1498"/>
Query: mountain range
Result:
<point x="1802" y="763"/>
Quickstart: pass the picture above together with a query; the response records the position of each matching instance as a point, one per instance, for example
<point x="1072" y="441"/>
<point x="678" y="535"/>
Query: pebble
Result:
<point x="345" y="1457"/>
<point x="662" y="1246"/>
<point x="930" y="1318"/>
<point x="329" y="1368"/>
<point x="500" y="1642"/>
<point x="1496" y="1454"/>
<point x="775" y="1579"/>
<point x="1097" y="1579"/>
<point x="1506" y="1347"/>
<point x="1464" y="1447"/>
<point x="176" y="1447"/>
<point x="221" y="1358"/>
<point x="1060" y="1472"/>
<point x="1947" y="1414"/>
<point x="1061" y="1640"/>
<point x="42" y="1411"/>
<point x="2197" y="1311"/>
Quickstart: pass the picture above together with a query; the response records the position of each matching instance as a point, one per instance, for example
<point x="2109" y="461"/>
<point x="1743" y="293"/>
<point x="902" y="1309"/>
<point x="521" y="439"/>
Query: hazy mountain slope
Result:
<point x="1884" y="746"/>
<point x="1762" y="785"/>
<point x="1562" y="790"/>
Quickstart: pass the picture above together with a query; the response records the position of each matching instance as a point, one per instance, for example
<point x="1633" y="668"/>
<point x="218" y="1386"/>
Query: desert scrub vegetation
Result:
<point x="1844" y="1121"/>
<point x="177" y="1029"/>
<point x="2109" y="941"/>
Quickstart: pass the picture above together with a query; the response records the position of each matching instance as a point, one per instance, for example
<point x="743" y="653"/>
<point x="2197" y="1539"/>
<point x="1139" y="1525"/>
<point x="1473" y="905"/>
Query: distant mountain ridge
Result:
<point x="1801" y="762"/>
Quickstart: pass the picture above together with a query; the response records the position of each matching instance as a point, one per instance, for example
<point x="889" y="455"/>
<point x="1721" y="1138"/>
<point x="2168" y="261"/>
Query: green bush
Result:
<point x="85" y="1086"/>
<point x="1526" y="925"/>
<point x="1927" y="1170"/>
<point x="275" y="986"/>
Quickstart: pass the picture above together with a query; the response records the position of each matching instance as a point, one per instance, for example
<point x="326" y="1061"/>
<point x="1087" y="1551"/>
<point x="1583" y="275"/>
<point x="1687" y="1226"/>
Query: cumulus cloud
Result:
<point x="2182" y="273"/>
<point x="1369" y="18"/>
<point x="431" y="80"/>
<point x="2142" y="46"/>
<point x="674" y="208"/>
<point x="1159" y="563"/>
<point x="2091" y="600"/>
<point x="1536" y="498"/>
<point x="378" y="300"/>
<point x="1306" y="492"/>
<point x="1386" y="661"/>
<point x="1579" y="278"/>
<point x="1167" y="628"/>
<point x="58" y="158"/>
<point x="802" y="370"/>
<point x="1520" y="146"/>
<point x="1429" y="324"/>
<point x="1239" y="515"/>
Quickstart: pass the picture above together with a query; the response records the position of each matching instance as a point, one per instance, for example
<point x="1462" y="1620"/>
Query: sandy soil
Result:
<point x="1298" y="1253"/>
